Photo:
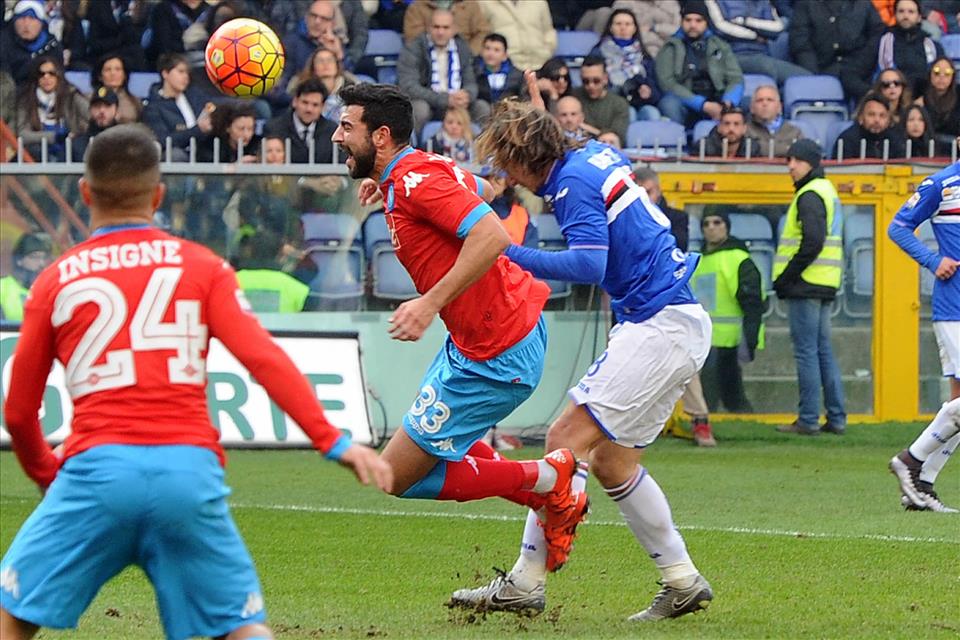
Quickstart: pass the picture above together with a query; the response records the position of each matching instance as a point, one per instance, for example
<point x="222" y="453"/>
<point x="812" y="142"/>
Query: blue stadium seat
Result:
<point x="551" y="239"/>
<point x="833" y="132"/>
<point x="390" y="281"/>
<point x="81" y="80"/>
<point x="951" y="46"/>
<point x="750" y="83"/>
<point x="813" y="94"/>
<point x="754" y="229"/>
<point x="383" y="50"/>
<point x="573" y="46"/>
<point x="650" y="133"/>
<point x="702" y="129"/>
<point x="140" y="82"/>
<point x="809" y="129"/>
<point x="429" y="130"/>
<point x="333" y="244"/>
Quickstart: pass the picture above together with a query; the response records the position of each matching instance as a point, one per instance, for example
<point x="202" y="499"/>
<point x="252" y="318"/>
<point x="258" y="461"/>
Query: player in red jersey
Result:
<point x="140" y="480"/>
<point x="450" y="241"/>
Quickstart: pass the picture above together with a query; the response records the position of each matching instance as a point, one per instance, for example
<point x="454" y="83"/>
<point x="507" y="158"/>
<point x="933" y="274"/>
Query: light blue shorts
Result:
<point x="460" y="399"/>
<point x="162" y="508"/>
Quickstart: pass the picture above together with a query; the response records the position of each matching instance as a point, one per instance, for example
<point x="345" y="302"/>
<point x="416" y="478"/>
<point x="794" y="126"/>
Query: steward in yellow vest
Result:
<point x="729" y="286"/>
<point x="31" y="254"/>
<point x="809" y="260"/>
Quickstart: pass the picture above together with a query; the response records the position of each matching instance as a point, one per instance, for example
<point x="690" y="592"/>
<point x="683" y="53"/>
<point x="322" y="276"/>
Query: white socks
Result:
<point x="935" y="444"/>
<point x="647" y="512"/>
<point x="546" y="478"/>
<point x="531" y="567"/>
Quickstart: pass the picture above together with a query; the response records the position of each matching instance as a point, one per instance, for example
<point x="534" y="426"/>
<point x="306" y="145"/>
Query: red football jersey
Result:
<point x="430" y="205"/>
<point x="130" y="313"/>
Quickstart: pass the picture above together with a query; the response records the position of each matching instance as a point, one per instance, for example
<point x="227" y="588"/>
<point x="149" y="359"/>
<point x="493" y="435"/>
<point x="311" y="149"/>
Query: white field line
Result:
<point x="395" y="513"/>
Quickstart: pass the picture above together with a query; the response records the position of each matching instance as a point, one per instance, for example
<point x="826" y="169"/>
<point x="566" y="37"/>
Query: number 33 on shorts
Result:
<point x="422" y="406"/>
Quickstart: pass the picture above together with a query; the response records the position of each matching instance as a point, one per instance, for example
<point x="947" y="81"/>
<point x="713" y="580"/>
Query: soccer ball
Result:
<point x="244" y="58"/>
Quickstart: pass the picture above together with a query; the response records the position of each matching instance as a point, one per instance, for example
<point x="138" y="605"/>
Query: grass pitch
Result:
<point x="800" y="538"/>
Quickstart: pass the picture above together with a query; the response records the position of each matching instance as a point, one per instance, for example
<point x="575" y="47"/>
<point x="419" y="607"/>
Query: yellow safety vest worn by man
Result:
<point x="12" y="296"/>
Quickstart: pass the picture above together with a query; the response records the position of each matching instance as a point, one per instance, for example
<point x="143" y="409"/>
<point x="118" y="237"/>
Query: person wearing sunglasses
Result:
<point x="602" y="109"/>
<point x="50" y="108"/>
<point x="893" y="86"/>
<point x="942" y="100"/>
<point x="905" y="46"/>
<point x="553" y="80"/>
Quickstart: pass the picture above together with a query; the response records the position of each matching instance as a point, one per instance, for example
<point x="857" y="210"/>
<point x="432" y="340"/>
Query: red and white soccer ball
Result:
<point x="244" y="58"/>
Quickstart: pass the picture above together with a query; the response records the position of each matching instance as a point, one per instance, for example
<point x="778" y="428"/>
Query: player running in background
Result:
<point x="140" y="478"/>
<point x="938" y="200"/>
<point x="450" y="242"/>
<point x="620" y="240"/>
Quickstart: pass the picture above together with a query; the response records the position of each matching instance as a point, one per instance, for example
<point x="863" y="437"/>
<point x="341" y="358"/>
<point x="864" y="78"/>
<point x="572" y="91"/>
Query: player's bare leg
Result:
<point x="15" y="629"/>
<point x="249" y="632"/>
<point x="409" y="462"/>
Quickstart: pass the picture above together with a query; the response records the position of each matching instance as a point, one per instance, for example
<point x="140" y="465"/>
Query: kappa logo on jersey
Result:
<point x="10" y="582"/>
<point x="562" y="193"/>
<point x="252" y="606"/>
<point x="412" y="180"/>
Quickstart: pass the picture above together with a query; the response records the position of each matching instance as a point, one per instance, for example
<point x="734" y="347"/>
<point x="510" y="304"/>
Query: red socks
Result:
<point x="484" y="474"/>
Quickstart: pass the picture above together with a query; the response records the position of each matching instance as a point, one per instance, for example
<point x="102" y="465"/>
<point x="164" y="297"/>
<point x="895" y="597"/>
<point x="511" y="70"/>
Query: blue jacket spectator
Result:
<point x="26" y="37"/>
<point x="697" y="70"/>
<point x="167" y="23"/>
<point x="748" y="25"/>
<point x="630" y="67"/>
<point x="343" y="30"/>
<point x="113" y="33"/>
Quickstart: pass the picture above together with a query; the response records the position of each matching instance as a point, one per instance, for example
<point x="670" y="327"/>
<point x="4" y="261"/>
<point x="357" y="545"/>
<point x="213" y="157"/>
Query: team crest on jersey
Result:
<point x="914" y="199"/>
<point x="10" y="582"/>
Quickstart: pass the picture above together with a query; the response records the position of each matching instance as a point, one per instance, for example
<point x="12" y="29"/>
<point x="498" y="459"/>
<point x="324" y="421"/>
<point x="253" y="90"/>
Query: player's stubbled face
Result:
<point x="355" y="144"/>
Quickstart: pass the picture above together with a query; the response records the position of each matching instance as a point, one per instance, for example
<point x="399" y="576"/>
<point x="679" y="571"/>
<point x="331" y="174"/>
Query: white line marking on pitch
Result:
<point x="603" y="523"/>
<point x="390" y="513"/>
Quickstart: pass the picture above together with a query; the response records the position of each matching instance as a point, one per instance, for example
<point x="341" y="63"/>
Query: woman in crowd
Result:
<point x="942" y="101"/>
<point x="111" y="72"/>
<point x="233" y="125"/>
<point x="553" y="78"/>
<point x="629" y="66"/>
<point x="893" y="86"/>
<point x="455" y="138"/>
<point x="49" y="108"/>
<point x="919" y="131"/>
<point x="325" y="66"/>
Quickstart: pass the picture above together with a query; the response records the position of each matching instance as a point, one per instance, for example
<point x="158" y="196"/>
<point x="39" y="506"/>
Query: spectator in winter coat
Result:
<point x="527" y="26"/>
<point x="659" y="20"/>
<point x="837" y="38"/>
<point x="697" y="71"/>
<point x="603" y="109"/>
<point x="629" y="66"/>
<point x="25" y="38"/>
<point x="748" y="25"/>
<point x="872" y="135"/>
<point x="176" y="110"/>
<point x="729" y="138"/>
<point x="468" y="17"/>
<point x="497" y="78"/>
<point x="49" y="108"/>
<point x="767" y="125"/>
<point x="942" y="100"/>
<point x="906" y="47"/>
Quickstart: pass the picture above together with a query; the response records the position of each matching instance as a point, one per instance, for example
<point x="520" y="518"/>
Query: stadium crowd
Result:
<point x="722" y="69"/>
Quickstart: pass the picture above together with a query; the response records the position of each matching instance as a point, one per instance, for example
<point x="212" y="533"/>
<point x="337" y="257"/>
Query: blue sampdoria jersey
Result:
<point x="599" y="206"/>
<point x="937" y="199"/>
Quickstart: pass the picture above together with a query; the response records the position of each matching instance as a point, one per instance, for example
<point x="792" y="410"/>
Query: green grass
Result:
<point x="800" y="537"/>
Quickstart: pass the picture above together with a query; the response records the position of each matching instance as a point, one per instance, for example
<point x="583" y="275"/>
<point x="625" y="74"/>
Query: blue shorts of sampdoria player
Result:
<point x="460" y="399"/>
<point x="162" y="508"/>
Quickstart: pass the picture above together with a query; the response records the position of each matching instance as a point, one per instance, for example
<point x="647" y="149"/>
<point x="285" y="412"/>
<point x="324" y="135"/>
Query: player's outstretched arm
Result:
<point x="368" y="466"/>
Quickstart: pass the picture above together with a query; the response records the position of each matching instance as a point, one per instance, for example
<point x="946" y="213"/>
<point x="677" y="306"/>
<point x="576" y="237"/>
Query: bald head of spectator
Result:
<point x="765" y="106"/>
<point x="442" y="28"/>
<point x="569" y="113"/>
